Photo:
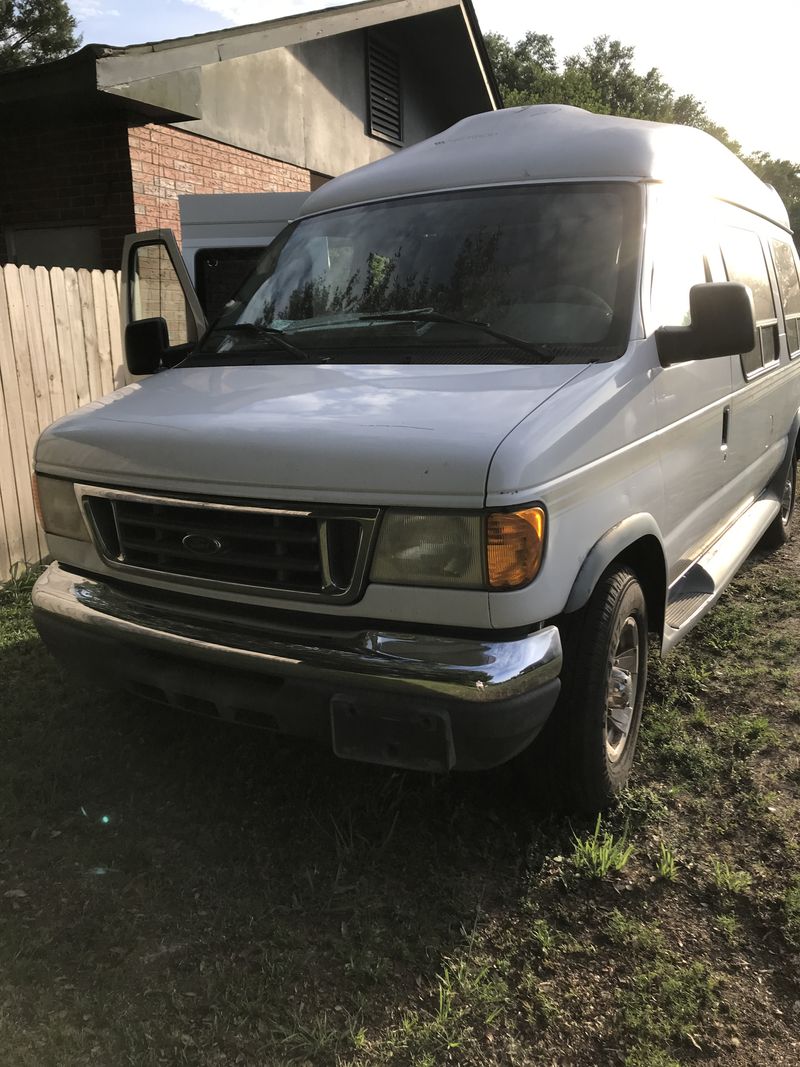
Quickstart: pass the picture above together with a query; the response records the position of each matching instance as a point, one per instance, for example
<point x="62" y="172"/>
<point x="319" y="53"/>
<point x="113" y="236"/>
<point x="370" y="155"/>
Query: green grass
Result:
<point x="666" y="864"/>
<point x="600" y="853"/>
<point x="174" y="891"/>
<point x="729" y="880"/>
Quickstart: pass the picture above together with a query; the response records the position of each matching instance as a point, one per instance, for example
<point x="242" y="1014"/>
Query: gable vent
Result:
<point x="383" y="90"/>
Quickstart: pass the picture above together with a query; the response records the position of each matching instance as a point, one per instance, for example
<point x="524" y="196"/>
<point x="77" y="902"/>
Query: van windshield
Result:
<point x="523" y="273"/>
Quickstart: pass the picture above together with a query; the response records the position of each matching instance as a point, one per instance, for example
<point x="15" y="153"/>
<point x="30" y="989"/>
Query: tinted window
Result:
<point x="745" y="263"/>
<point x="552" y="265"/>
<point x="789" y="288"/>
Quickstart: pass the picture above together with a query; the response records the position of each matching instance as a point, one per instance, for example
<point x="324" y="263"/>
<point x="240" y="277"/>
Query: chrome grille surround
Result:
<point x="316" y="552"/>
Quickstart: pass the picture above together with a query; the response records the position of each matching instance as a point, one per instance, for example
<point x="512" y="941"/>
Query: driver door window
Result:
<point x="156" y="291"/>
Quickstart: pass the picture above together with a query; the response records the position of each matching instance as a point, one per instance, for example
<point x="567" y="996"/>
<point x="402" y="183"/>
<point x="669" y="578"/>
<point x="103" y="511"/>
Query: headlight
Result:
<point x="430" y="550"/>
<point x="57" y="508"/>
<point x="498" y="550"/>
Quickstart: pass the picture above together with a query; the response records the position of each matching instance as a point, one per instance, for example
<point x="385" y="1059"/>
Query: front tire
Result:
<point x="589" y="742"/>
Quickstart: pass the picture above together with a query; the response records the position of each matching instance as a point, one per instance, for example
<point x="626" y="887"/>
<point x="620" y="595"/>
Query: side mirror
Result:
<point x="723" y="324"/>
<point x="147" y="346"/>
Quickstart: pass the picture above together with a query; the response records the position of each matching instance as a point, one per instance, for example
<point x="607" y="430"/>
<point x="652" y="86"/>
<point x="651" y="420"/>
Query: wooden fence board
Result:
<point x="80" y="362"/>
<point x="47" y="318"/>
<point x="101" y="331"/>
<point x="90" y="332"/>
<point x="111" y="289"/>
<point x="21" y="420"/>
<point x="60" y="347"/>
<point x="35" y="345"/>
<point x="66" y="353"/>
<point x="12" y="544"/>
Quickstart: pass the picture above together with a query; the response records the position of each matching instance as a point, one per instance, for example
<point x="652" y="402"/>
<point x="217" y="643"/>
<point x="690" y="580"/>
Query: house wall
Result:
<point x="166" y="161"/>
<point x="70" y="177"/>
<point x="308" y="102"/>
<point x="71" y="191"/>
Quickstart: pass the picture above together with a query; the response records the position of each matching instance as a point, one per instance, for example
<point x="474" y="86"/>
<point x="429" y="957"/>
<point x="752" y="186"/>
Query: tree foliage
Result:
<point x="604" y="79"/>
<point x="785" y="177"/>
<point x="34" y="31"/>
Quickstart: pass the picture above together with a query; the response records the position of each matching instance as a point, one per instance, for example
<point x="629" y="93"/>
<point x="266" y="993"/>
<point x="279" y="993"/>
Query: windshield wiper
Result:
<point x="268" y="333"/>
<point x="432" y="315"/>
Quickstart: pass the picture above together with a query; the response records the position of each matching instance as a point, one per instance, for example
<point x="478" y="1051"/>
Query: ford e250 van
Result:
<point x="490" y="413"/>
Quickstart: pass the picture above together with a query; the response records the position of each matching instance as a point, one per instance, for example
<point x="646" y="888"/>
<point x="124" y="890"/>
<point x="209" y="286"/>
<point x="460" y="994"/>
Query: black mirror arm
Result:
<point x="676" y="344"/>
<point x="176" y="354"/>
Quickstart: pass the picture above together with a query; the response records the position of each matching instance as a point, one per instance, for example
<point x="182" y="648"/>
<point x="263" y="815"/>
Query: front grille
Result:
<point x="311" y="553"/>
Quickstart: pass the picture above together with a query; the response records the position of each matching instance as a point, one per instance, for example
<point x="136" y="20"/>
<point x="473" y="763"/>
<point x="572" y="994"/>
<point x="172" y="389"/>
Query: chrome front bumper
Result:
<point x="81" y="617"/>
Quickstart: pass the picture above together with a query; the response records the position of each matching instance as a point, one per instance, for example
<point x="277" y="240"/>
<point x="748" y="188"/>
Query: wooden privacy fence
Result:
<point x="60" y="347"/>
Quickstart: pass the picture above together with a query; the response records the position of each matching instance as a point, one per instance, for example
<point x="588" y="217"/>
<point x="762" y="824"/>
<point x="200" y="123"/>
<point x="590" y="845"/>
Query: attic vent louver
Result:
<point x="383" y="91"/>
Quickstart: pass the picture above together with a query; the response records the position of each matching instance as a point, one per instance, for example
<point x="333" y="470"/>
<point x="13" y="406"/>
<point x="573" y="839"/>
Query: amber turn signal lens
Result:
<point x="514" y="545"/>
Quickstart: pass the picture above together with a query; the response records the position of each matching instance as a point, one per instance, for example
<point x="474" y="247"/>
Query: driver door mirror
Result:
<point x="161" y="315"/>
<point x="722" y="324"/>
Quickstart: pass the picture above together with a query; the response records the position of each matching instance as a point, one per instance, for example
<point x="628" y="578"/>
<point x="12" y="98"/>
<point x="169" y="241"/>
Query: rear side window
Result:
<point x="745" y="263"/>
<point x="789" y="289"/>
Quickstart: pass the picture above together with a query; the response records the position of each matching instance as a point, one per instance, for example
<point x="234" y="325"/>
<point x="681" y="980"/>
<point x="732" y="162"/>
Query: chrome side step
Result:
<point x="698" y="590"/>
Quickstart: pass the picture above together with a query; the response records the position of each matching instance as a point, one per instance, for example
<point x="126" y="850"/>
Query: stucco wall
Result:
<point x="307" y="104"/>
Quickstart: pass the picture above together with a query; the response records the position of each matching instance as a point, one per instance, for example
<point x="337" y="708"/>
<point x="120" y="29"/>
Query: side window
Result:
<point x="156" y="291"/>
<point x="745" y="263"/>
<point x="789" y="288"/>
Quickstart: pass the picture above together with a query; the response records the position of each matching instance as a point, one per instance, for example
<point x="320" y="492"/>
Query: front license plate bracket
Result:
<point x="372" y="731"/>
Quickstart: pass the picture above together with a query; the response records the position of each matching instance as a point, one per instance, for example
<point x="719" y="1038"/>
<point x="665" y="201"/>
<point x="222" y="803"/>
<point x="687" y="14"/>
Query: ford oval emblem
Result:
<point x="202" y="544"/>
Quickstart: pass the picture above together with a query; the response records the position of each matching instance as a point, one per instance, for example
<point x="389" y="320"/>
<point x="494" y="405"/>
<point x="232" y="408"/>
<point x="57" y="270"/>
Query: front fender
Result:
<point x="605" y="550"/>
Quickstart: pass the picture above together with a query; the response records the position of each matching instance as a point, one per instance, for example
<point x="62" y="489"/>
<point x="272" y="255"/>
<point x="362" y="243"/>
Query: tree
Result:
<point x="603" y="79"/>
<point x="34" y="31"/>
<point x="784" y="176"/>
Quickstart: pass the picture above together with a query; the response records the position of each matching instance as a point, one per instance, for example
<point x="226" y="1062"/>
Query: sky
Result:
<point x="741" y="60"/>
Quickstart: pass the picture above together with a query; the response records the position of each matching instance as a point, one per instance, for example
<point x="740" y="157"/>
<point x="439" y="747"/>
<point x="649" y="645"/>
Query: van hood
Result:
<point x="314" y="433"/>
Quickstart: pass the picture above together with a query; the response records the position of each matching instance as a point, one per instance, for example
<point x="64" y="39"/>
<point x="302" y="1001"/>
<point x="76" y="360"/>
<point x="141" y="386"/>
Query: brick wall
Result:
<point x="166" y="162"/>
<point x="68" y="173"/>
<point x="119" y="177"/>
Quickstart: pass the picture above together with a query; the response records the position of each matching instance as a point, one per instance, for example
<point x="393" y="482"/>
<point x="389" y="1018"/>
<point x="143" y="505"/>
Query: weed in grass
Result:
<point x="537" y="1006"/>
<point x="23" y="577"/>
<point x="307" y="1039"/>
<point x="632" y="935"/>
<point x="469" y="997"/>
<point x="666" y="865"/>
<point x="663" y="1004"/>
<point x="638" y="806"/>
<point x="791" y="907"/>
<point x="544" y="937"/>
<point x="672" y="743"/>
<point x="730" y="928"/>
<point x="742" y="735"/>
<point x="728" y="880"/>
<point x="600" y="854"/>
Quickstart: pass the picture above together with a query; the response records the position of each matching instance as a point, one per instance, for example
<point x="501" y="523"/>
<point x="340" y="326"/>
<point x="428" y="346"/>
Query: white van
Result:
<point x="488" y="414"/>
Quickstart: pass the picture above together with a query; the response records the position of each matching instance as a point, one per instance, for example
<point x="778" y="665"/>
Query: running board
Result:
<point x="698" y="590"/>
